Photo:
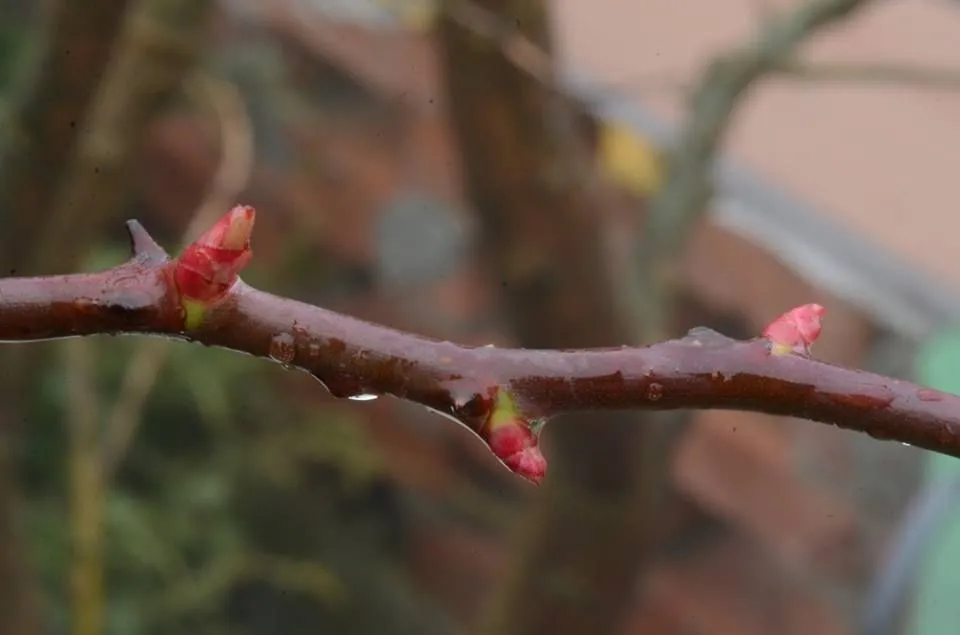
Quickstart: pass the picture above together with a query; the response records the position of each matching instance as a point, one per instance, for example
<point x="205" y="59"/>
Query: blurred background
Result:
<point x="485" y="172"/>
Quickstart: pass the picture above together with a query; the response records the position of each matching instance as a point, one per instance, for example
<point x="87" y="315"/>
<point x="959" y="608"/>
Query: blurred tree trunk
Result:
<point x="103" y="71"/>
<point x="529" y="176"/>
<point x="20" y="609"/>
<point x="48" y="117"/>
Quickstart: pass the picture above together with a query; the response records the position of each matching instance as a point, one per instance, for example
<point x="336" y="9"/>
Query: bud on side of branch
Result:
<point x="512" y="440"/>
<point x="795" y="331"/>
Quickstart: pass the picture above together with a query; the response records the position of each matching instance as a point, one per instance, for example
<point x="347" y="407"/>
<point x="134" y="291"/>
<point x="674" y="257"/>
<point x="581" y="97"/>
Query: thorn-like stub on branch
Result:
<point x="142" y="244"/>
<point x="795" y="331"/>
<point x="512" y="440"/>
<point x="210" y="265"/>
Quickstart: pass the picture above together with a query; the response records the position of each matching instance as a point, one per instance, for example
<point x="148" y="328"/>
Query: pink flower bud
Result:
<point x="512" y="441"/>
<point x="528" y="463"/>
<point x="210" y="265"/>
<point x="515" y="445"/>
<point x="796" y="330"/>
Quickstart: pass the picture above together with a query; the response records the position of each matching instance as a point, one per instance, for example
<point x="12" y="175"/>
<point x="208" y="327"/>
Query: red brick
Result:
<point x="731" y="589"/>
<point x="734" y="274"/>
<point x="738" y="465"/>
<point x="457" y="567"/>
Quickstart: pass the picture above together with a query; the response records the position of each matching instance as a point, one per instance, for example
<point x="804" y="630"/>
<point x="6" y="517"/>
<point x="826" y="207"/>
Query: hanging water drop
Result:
<point x="362" y="397"/>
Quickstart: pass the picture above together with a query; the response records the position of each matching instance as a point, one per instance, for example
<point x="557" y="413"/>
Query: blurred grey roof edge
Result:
<point x="894" y="293"/>
<point x="891" y="291"/>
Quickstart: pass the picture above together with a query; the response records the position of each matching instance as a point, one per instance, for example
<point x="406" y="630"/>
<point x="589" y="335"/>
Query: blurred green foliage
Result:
<point x="12" y="39"/>
<point x="17" y="42"/>
<point x="241" y="506"/>
<point x="935" y="610"/>
<point x="228" y="486"/>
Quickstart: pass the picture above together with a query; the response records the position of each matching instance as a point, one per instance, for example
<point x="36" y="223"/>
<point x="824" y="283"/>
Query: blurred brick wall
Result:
<point x="795" y="539"/>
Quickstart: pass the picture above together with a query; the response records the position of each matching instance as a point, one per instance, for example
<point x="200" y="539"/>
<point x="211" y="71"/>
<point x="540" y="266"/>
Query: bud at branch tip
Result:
<point x="210" y="265"/>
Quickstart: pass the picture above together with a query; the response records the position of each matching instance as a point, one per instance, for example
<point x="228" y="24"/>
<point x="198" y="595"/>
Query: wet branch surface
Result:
<point x="351" y="358"/>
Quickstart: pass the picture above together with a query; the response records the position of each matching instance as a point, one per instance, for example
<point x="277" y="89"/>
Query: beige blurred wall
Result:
<point x="882" y="160"/>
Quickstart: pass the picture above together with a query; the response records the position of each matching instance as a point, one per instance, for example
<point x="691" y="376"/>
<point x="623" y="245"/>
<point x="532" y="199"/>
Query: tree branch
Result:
<point x="688" y="186"/>
<point x="930" y="78"/>
<point x="352" y="358"/>
<point x="51" y="114"/>
<point x="160" y="43"/>
<point x="236" y="164"/>
<point x="82" y="415"/>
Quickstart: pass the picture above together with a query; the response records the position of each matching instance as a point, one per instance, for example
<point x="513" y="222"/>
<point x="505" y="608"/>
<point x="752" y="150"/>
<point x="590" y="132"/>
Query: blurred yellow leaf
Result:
<point x="418" y="15"/>
<point x="632" y="161"/>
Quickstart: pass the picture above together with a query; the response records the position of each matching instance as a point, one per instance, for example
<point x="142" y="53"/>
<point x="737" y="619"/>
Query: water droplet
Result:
<point x="906" y="444"/>
<point x="363" y="397"/>
<point x="489" y="346"/>
<point x="283" y="348"/>
<point x="654" y="391"/>
<point x="926" y="394"/>
<point x="343" y="387"/>
<point x="313" y="350"/>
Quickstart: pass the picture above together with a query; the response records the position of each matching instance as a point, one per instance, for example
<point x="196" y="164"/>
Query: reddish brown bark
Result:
<point x="351" y="357"/>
